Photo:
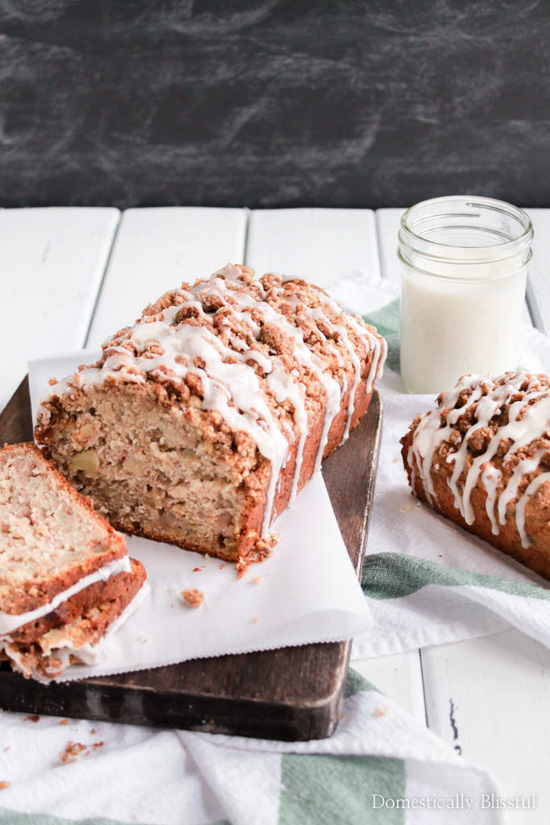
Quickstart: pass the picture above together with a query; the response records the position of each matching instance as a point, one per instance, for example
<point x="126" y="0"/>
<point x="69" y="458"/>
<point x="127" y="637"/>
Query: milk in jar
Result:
<point x="464" y="263"/>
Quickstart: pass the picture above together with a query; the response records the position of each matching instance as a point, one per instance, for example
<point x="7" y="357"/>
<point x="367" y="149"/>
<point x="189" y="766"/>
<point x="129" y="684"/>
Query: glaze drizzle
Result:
<point x="507" y="445"/>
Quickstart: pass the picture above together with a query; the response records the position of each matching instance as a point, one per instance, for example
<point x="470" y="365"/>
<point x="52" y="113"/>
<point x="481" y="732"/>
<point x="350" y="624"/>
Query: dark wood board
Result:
<point x="294" y="693"/>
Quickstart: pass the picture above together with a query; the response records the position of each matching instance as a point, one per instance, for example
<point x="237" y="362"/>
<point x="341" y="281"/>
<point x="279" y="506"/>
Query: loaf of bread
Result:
<point x="65" y="576"/>
<point x="482" y="458"/>
<point x="201" y="422"/>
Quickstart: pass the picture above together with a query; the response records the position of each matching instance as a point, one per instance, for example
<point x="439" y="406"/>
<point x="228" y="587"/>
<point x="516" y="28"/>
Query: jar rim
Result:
<point x="505" y="247"/>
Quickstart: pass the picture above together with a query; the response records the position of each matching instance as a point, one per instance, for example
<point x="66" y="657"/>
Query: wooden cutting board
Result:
<point x="294" y="693"/>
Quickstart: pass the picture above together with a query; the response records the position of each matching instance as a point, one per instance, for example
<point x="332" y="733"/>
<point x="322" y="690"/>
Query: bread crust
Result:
<point x="92" y="614"/>
<point x="35" y="593"/>
<point x="117" y="592"/>
<point x="536" y="508"/>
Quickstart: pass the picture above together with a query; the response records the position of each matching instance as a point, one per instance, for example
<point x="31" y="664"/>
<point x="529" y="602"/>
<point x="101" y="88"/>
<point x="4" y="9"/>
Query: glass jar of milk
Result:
<point x="464" y="265"/>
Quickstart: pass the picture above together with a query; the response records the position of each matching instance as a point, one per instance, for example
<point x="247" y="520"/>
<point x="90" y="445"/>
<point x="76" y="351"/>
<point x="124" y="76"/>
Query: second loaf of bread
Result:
<point x="201" y="422"/>
<point x="482" y="458"/>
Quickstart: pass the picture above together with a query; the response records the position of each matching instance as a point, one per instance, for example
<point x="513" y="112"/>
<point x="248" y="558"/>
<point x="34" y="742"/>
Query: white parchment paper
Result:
<point x="307" y="591"/>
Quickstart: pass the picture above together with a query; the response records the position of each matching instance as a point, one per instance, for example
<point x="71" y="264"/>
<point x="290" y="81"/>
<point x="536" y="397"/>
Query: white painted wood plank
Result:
<point x="158" y="248"/>
<point x="323" y="244"/>
<point x="490" y="698"/>
<point x="319" y="244"/>
<point x="538" y="284"/>
<point x="52" y="262"/>
<point x="399" y="677"/>
<point x="387" y="225"/>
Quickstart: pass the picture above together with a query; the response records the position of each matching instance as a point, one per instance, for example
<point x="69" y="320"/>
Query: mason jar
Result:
<point x="463" y="276"/>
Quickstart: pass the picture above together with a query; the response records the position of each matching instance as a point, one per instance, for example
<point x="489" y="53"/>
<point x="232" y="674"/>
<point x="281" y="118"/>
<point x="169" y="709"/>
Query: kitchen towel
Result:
<point x="426" y="580"/>
<point x="380" y="768"/>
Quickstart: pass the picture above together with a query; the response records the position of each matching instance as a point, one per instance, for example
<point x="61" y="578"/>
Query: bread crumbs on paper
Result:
<point x="257" y="580"/>
<point x="64" y="722"/>
<point x="193" y="597"/>
<point x="380" y="712"/>
<point x="34" y="718"/>
<point x="222" y="566"/>
<point x="4" y="785"/>
<point x="256" y="619"/>
<point x="94" y="730"/>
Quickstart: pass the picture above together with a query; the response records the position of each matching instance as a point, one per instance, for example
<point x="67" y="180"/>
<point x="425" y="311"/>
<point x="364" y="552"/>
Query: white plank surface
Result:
<point x="538" y="286"/>
<point x="387" y="226"/>
<point x="52" y="265"/>
<point x="319" y="244"/>
<point x="158" y="248"/>
<point x="323" y="244"/>
<point x="490" y="698"/>
<point x="397" y="676"/>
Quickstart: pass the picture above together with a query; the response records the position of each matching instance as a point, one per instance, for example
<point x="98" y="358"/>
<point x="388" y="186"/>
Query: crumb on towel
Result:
<point x="72" y="752"/>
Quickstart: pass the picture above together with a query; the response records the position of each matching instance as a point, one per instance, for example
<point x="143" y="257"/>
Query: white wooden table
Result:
<point x="69" y="277"/>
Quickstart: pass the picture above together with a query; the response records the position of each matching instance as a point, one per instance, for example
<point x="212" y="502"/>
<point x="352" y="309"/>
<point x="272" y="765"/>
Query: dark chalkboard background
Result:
<point x="266" y="103"/>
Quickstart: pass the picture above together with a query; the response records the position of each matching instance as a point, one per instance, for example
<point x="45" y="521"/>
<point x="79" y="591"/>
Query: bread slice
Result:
<point x="65" y="575"/>
<point x="201" y="422"/>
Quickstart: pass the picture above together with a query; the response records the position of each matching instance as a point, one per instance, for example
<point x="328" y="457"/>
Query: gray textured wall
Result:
<point x="270" y="103"/>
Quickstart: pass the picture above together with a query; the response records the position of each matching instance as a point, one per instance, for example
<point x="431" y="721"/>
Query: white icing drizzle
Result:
<point x="528" y="420"/>
<point x="520" y="507"/>
<point x="429" y="434"/>
<point x="306" y="358"/>
<point x="370" y="341"/>
<point x="491" y="478"/>
<point x="12" y="621"/>
<point x="89" y="654"/>
<point x="234" y="389"/>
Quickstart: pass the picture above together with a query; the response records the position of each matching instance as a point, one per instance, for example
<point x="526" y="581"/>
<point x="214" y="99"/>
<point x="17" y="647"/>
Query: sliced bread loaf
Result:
<point x="65" y="575"/>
